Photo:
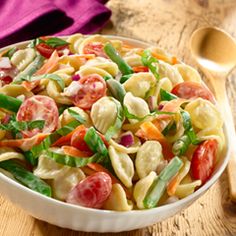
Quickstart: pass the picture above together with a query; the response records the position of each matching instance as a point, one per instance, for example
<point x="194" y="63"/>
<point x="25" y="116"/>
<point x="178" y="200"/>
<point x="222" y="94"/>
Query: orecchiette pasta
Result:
<point x="66" y="118"/>
<point x="104" y="64"/>
<point x="22" y="58"/>
<point x="141" y="188"/>
<point x="75" y="40"/>
<point x="103" y="114"/>
<point x="140" y="83"/>
<point x="148" y="157"/>
<point x="136" y="106"/>
<point x="204" y="114"/>
<point x="118" y="195"/>
<point x="62" y="184"/>
<point x="123" y="166"/>
<point x="166" y="70"/>
<point x="188" y="73"/>
<point x="9" y="153"/>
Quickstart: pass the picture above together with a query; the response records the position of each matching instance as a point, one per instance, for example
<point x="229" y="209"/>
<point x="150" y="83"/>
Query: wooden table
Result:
<point x="168" y="23"/>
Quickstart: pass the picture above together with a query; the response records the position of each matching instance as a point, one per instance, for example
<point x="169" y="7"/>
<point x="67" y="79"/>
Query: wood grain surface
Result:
<point x="169" y="24"/>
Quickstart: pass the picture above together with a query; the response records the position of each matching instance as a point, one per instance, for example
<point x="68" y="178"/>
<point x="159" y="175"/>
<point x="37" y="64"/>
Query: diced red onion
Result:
<point x="76" y="77"/>
<point x="152" y="103"/>
<point x="5" y="63"/>
<point x="127" y="139"/>
<point x="160" y="107"/>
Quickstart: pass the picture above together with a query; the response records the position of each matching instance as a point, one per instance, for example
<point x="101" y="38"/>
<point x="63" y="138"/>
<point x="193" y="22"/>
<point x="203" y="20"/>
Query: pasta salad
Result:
<point x="96" y="122"/>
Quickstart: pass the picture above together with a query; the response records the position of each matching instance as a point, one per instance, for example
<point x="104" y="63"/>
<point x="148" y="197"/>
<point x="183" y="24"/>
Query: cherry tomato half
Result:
<point x="91" y="191"/>
<point x="77" y="140"/>
<point x="44" y="49"/>
<point x="190" y="89"/>
<point x="39" y="107"/>
<point x="94" y="87"/>
<point x="203" y="160"/>
<point x="95" y="48"/>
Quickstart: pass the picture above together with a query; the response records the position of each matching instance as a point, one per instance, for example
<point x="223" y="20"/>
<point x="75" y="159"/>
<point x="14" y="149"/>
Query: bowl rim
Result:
<point x="190" y="198"/>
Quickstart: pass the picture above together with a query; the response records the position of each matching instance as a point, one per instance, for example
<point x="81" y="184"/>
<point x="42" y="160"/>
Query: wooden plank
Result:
<point x="169" y="24"/>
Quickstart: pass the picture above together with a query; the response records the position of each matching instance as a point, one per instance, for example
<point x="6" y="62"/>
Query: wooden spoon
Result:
<point x="215" y="52"/>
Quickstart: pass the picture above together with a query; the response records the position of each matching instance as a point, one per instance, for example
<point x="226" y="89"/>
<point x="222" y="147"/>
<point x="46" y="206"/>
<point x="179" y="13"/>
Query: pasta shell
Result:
<point x="122" y="165"/>
<point x="141" y="188"/>
<point x="188" y="73"/>
<point x="140" y="83"/>
<point x="103" y="114"/>
<point x="117" y="200"/>
<point x="136" y="106"/>
<point x="148" y="157"/>
<point x="204" y="114"/>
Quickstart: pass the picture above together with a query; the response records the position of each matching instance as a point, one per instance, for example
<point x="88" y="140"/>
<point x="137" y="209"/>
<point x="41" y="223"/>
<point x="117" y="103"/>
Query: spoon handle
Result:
<point x="223" y="102"/>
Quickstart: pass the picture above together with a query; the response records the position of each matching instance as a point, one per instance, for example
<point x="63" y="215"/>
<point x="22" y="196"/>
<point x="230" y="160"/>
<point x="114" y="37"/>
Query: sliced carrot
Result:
<point x="137" y="69"/>
<point x="160" y="57"/>
<point x="50" y="66"/>
<point x="99" y="168"/>
<point x="3" y="52"/>
<point x="173" y="105"/>
<point x="30" y="85"/>
<point x="25" y="144"/>
<point x="72" y="151"/>
<point x="87" y="170"/>
<point x="173" y="184"/>
<point x="65" y="140"/>
<point x="150" y="132"/>
<point x="174" y="60"/>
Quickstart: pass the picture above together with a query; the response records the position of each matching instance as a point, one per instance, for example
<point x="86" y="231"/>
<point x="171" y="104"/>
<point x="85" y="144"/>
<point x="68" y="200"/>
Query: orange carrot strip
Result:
<point x="151" y="132"/>
<point x="173" y="184"/>
<point x="50" y="66"/>
<point x="75" y="152"/>
<point x="99" y="168"/>
<point x="137" y="69"/>
<point x="173" y="105"/>
<point x="30" y="85"/>
<point x="26" y="143"/>
<point x="65" y="140"/>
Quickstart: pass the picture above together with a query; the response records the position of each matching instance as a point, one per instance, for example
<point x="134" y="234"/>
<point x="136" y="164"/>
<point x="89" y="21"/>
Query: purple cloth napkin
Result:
<point x="27" y="19"/>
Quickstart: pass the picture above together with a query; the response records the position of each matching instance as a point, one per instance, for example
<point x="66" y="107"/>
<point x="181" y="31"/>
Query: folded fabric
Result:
<point x="27" y="19"/>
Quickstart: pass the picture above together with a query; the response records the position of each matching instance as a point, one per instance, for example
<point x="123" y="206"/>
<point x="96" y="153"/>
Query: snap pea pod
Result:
<point x="148" y="60"/>
<point x="166" y="96"/>
<point x="73" y="161"/>
<point x="94" y="142"/>
<point x="9" y="103"/>
<point x="112" y="130"/>
<point x="30" y="69"/>
<point x="116" y="89"/>
<point x="181" y="145"/>
<point x="32" y="155"/>
<point x="26" y="178"/>
<point x="115" y="57"/>
<point x="159" y="184"/>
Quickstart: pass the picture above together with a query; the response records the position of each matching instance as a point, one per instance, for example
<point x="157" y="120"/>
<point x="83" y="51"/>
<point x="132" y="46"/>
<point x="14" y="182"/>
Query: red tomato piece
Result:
<point x="190" y="89"/>
<point x="77" y="141"/>
<point x="91" y="191"/>
<point x="137" y="69"/>
<point x="44" y="49"/>
<point x="95" y="48"/>
<point x="94" y="87"/>
<point x="203" y="160"/>
<point x="39" y="107"/>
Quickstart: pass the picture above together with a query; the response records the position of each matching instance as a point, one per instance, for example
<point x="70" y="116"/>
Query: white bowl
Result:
<point x="91" y="220"/>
